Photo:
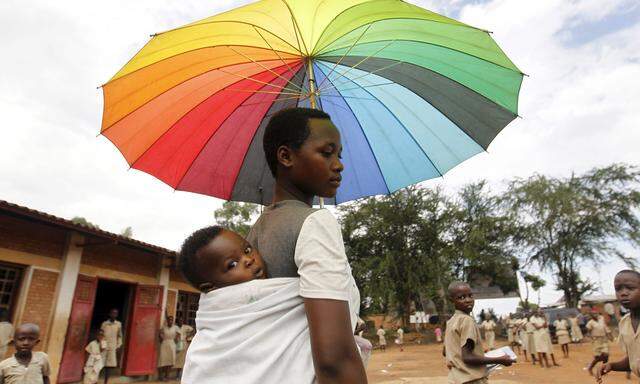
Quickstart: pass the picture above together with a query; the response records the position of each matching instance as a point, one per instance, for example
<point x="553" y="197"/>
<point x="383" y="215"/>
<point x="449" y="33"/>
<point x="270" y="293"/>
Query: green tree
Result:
<point x="536" y="283"/>
<point x="82" y="221"/>
<point x="236" y="216"/>
<point x="382" y="242"/>
<point x="482" y="240"/>
<point x="127" y="232"/>
<point x="565" y="223"/>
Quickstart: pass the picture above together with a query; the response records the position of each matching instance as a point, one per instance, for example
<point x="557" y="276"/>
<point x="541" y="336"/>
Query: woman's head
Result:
<point x="303" y="150"/>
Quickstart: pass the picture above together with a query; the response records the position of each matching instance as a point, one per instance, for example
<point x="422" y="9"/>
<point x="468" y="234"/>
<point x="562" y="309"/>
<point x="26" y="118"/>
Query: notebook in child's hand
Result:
<point x="497" y="353"/>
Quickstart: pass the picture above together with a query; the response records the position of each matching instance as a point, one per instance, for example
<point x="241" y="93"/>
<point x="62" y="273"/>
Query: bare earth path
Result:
<point x="423" y="364"/>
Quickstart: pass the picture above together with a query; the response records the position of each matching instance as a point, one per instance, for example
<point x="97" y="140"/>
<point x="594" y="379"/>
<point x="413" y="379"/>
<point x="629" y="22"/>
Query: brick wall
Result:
<point x="121" y="258"/>
<point x="40" y="299"/>
<point x="25" y="236"/>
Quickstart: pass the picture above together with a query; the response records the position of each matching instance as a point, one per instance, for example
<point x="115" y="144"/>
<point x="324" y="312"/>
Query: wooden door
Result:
<point x="73" y="355"/>
<point x="141" y="351"/>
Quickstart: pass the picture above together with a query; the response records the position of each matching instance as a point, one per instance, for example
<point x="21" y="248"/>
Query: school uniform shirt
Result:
<point x="12" y="372"/>
<point x="381" y="339"/>
<point x="400" y="336"/>
<point x="562" y="331"/>
<point x="461" y="328"/>
<point x="630" y="343"/>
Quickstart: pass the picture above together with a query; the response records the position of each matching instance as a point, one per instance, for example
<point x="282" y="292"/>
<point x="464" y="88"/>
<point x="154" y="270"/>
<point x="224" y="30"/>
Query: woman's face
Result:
<point x="315" y="168"/>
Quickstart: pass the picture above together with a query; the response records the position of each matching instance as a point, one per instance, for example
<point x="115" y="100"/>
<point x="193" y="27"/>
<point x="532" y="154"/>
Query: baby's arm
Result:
<point x="470" y="358"/>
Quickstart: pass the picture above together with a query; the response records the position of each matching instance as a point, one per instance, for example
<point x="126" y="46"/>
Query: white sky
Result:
<point x="583" y="58"/>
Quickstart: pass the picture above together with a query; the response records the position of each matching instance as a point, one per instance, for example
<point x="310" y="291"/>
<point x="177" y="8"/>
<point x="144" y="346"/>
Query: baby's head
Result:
<point x="214" y="257"/>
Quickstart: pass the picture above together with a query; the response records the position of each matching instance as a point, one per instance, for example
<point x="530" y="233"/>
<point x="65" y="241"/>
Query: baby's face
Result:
<point x="229" y="259"/>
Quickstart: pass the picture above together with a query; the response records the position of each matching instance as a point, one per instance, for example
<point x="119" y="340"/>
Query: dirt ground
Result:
<point x="424" y="364"/>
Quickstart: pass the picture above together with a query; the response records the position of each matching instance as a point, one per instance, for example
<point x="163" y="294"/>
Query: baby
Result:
<point x="214" y="257"/>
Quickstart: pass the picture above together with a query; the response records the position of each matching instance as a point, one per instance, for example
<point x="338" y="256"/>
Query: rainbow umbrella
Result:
<point x="413" y="93"/>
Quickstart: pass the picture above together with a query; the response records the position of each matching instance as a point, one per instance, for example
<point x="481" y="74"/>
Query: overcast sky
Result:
<point x="577" y="105"/>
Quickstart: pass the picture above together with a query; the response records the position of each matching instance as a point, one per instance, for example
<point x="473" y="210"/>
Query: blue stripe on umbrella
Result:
<point x="402" y="161"/>
<point x="444" y="143"/>
<point x="362" y="176"/>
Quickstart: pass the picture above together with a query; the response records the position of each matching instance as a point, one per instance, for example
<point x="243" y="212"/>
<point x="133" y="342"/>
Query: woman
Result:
<point x="302" y="149"/>
<point x="169" y="336"/>
<point x="186" y="333"/>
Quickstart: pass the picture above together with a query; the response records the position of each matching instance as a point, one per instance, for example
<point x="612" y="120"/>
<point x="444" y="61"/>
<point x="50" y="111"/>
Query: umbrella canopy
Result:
<point x="413" y="94"/>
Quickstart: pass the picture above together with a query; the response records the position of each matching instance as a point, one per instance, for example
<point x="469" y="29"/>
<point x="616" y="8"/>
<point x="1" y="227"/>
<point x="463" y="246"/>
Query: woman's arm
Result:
<point x="335" y="355"/>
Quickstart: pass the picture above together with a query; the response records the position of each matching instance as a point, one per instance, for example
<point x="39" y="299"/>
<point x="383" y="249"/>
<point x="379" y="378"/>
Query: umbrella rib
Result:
<point x="516" y="70"/>
<point x="174" y="123"/>
<point x="361" y="76"/>
<point x="274" y="51"/>
<point x="229" y="21"/>
<point x="270" y="92"/>
<point x="363" y="60"/>
<point x="262" y="66"/>
<point x="461" y="25"/>
<point x="206" y="143"/>
<point x="344" y="55"/>
<point x="247" y="78"/>
<point x="295" y="25"/>
<point x="404" y="127"/>
<point x="365" y="137"/>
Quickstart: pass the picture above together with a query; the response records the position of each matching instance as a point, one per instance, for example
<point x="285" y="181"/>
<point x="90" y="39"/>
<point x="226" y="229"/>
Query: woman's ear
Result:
<point x="206" y="287"/>
<point x="284" y="156"/>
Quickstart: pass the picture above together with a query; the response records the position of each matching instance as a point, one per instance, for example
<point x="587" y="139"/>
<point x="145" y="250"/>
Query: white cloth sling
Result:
<point x="255" y="332"/>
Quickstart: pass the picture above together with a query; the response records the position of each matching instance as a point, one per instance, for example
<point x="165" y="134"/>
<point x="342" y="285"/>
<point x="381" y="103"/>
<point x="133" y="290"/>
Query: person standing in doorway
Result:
<point x="6" y="332"/>
<point x="186" y="333"/>
<point x="382" y="340"/>
<point x="169" y="337"/>
<point x="112" y="330"/>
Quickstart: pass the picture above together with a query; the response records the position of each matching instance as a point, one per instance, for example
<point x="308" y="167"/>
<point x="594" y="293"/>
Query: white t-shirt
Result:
<point x="322" y="262"/>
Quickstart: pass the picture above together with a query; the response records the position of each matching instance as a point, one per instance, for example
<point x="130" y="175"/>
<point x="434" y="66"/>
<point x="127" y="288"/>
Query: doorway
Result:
<point x="112" y="294"/>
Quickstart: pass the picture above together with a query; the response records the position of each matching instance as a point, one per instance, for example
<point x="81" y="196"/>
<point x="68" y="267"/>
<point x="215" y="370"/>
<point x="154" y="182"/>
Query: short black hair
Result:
<point x="186" y="259"/>
<point x="288" y="127"/>
<point x="631" y="271"/>
<point x="454" y="285"/>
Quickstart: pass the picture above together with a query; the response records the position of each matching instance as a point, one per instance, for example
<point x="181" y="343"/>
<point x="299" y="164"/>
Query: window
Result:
<point x="9" y="285"/>
<point x="187" y="307"/>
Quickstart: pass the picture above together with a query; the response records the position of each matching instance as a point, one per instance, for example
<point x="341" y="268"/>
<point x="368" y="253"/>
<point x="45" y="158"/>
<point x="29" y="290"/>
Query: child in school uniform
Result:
<point x="382" y="340"/>
<point x="627" y="287"/>
<point x="562" y="332"/>
<point x="489" y="326"/>
<point x="26" y="366"/>
<point x="95" y="361"/>
<point x="599" y="340"/>
<point x="463" y="348"/>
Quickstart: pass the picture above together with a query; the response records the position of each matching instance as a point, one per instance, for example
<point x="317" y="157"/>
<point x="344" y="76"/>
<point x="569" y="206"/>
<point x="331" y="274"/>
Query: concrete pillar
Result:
<point x="164" y="277"/>
<point x="64" y="299"/>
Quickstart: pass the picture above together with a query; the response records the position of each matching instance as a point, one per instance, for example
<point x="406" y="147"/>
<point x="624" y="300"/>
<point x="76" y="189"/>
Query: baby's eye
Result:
<point x="232" y="264"/>
<point x="247" y="250"/>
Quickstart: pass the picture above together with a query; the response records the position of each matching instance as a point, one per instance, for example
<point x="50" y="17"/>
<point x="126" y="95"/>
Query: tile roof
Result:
<point x="33" y="214"/>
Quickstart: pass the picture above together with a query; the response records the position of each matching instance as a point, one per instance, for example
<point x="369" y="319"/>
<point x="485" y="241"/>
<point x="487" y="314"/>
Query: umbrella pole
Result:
<point x="312" y="99"/>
